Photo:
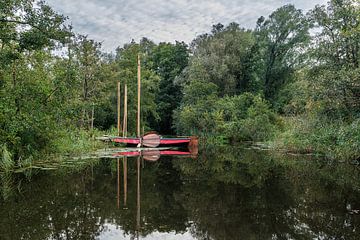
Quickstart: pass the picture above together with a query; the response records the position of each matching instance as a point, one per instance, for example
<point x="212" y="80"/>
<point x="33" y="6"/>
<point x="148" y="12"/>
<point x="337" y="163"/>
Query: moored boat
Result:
<point x="153" y="140"/>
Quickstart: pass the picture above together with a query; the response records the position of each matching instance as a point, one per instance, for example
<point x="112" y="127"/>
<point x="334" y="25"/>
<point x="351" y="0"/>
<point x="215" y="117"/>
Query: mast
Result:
<point x="118" y="108"/>
<point x="138" y="99"/>
<point x="125" y="112"/>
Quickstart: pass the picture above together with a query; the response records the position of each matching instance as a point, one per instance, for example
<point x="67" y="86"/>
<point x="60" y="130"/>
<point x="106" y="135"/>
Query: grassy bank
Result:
<point x="66" y="143"/>
<point x="333" y="139"/>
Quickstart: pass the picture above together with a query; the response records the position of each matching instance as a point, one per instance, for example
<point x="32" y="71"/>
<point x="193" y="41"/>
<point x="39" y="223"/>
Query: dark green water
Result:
<point x="226" y="193"/>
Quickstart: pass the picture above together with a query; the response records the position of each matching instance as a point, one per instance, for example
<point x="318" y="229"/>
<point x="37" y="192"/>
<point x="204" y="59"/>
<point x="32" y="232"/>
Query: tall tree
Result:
<point x="88" y="58"/>
<point x="336" y="72"/>
<point x="126" y="61"/>
<point x="26" y="39"/>
<point x="283" y="37"/>
<point x="221" y="58"/>
<point x="168" y="60"/>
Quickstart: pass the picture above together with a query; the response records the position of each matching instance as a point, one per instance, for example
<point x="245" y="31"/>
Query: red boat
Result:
<point x="154" y="140"/>
<point x="163" y="141"/>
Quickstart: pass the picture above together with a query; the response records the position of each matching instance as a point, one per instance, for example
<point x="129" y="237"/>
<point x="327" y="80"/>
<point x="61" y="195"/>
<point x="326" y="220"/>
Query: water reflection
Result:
<point x="141" y="157"/>
<point x="226" y="193"/>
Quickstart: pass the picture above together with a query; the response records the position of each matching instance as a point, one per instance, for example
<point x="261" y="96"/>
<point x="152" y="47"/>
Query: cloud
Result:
<point x="115" y="22"/>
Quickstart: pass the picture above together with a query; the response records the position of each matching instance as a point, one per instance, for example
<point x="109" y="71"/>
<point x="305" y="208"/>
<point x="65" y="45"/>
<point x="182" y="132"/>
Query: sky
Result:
<point x="116" y="22"/>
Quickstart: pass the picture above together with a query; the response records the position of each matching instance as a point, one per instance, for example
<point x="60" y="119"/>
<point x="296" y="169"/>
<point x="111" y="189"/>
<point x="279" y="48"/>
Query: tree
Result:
<point x="26" y="116"/>
<point x="168" y="60"/>
<point x="126" y="61"/>
<point x="88" y="60"/>
<point x="336" y="74"/>
<point x="221" y="58"/>
<point x="283" y="37"/>
<point x="338" y="43"/>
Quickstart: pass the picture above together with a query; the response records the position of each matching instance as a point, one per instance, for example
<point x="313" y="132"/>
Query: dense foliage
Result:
<point x="294" y="79"/>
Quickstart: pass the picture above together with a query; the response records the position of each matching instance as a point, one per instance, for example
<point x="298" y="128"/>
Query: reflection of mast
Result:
<point x="138" y="199"/>
<point x="125" y="180"/>
<point x="118" y="183"/>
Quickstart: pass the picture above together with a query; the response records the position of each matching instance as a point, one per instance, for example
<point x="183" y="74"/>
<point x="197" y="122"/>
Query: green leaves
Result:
<point x="338" y="42"/>
<point x="221" y="58"/>
<point x="241" y="117"/>
<point x="283" y="37"/>
<point x="168" y="61"/>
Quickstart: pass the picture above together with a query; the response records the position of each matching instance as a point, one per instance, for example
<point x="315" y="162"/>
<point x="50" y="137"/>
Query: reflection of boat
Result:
<point x="154" y="155"/>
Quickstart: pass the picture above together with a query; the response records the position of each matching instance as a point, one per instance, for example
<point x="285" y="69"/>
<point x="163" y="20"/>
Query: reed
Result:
<point x="7" y="162"/>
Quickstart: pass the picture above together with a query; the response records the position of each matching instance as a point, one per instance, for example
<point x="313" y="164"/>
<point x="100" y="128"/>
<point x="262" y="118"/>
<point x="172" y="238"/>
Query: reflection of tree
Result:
<point x="162" y="212"/>
<point x="56" y="207"/>
<point x="327" y="194"/>
<point x="225" y="194"/>
<point x="241" y="194"/>
<point x="76" y="206"/>
<point x="254" y="195"/>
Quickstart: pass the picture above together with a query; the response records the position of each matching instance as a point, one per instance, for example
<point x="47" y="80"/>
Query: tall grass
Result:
<point x="75" y="141"/>
<point x="7" y="163"/>
<point x="332" y="139"/>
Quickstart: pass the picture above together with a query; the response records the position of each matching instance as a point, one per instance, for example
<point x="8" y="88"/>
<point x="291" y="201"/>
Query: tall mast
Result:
<point x="118" y="109"/>
<point x="138" y="99"/>
<point x="125" y="112"/>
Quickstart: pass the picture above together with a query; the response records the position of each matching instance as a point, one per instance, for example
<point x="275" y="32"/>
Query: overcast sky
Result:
<point x="115" y="22"/>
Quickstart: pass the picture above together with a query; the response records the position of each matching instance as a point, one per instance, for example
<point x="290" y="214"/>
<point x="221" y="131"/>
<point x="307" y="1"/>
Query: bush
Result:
<point x="251" y="119"/>
<point x="71" y="141"/>
<point x="237" y="118"/>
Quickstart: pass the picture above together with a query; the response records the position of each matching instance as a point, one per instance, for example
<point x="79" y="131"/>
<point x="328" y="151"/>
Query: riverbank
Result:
<point x="66" y="144"/>
<point x="335" y="140"/>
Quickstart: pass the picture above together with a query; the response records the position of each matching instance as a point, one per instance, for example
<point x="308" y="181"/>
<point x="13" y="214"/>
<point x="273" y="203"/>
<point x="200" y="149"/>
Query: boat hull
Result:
<point x="163" y="141"/>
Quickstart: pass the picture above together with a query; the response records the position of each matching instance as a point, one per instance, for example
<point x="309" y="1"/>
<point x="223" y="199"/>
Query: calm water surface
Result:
<point x="226" y="193"/>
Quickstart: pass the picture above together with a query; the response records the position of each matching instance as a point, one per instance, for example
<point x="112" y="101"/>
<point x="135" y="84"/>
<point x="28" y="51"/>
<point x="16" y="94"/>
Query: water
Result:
<point x="225" y="193"/>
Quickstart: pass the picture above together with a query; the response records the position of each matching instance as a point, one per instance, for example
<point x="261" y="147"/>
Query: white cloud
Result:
<point x="115" y="22"/>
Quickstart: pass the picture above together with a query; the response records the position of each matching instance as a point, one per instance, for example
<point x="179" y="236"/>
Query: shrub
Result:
<point x="237" y="118"/>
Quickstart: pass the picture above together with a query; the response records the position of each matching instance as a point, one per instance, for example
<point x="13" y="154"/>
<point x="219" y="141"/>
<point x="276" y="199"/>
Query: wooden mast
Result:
<point x="138" y="99"/>
<point x="125" y="112"/>
<point x="118" y="109"/>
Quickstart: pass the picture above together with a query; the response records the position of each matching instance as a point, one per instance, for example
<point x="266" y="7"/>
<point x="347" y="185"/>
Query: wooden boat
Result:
<point x="154" y="140"/>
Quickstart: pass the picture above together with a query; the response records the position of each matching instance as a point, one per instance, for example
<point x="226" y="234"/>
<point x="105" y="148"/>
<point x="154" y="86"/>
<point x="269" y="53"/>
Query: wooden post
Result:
<point x="138" y="99"/>
<point x="125" y="112"/>
<point x="118" y="109"/>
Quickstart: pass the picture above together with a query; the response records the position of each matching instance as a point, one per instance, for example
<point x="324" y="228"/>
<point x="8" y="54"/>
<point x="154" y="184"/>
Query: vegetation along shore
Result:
<point x="292" y="82"/>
